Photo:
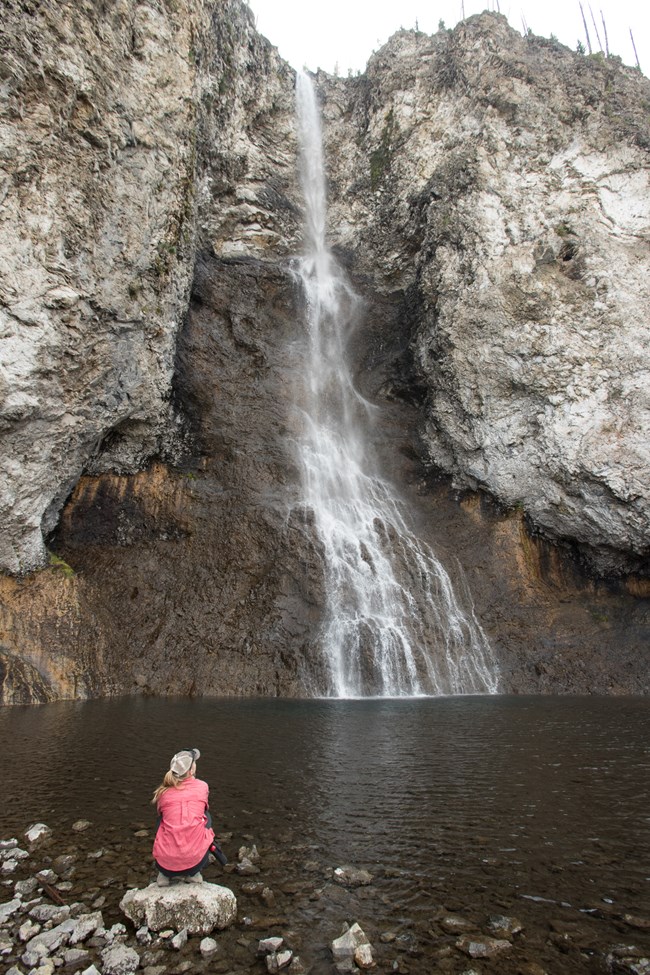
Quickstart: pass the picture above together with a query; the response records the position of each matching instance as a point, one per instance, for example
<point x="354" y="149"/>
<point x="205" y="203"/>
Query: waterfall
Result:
<point x="393" y="625"/>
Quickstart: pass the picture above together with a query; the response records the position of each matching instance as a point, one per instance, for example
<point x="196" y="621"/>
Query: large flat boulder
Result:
<point x="198" y="907"/>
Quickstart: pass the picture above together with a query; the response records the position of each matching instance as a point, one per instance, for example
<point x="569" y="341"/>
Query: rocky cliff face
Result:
<point x="503" y="183"/>
<point x="130" y="132"/>
<point x="489" y="200"/>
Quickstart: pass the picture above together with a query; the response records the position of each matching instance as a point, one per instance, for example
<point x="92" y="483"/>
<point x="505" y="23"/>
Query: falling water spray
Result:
<point x="393" y="625"/>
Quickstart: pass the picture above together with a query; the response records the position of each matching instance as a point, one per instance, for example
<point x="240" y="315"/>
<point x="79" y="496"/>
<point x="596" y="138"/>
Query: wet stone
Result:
<point x="483" y="948"/>
<point x="343" y="948"/>
<point x="504" y="927"/>
<point x="352" y="876"/>
<point x="454" y="924"/>
<point x="247" y="868"/>
<point x="252" y="887"/>
<point x="37" y="833"/>
<point x="268" y="945"/>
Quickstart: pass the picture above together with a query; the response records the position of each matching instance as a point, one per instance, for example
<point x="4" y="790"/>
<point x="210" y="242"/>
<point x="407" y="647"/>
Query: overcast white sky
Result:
<point x="344" y="33"/>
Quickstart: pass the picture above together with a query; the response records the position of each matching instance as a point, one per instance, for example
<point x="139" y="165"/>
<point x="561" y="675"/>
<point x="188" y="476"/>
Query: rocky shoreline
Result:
<point x="65" y="909"/>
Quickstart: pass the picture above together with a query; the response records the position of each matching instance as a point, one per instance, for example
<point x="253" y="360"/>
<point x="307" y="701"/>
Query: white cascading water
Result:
<point x="393" y="625"/>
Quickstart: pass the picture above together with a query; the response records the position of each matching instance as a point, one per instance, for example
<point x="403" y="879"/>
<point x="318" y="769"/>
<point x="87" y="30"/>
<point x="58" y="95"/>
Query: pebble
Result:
<point x="179" y="940"/>
<point x="81" y="825"/>
<point x="28" y="930"/>
<point x="208" y="947"/>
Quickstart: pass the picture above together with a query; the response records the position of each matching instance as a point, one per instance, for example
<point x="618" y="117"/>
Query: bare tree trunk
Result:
<point x="584" y="21"/>
<point x="634" y="46"/>
<point x="593" y="20"/>
<point x="605" y="33"/>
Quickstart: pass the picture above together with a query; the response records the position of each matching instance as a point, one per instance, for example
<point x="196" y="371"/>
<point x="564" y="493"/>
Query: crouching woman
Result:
<point x="184" y="833"/>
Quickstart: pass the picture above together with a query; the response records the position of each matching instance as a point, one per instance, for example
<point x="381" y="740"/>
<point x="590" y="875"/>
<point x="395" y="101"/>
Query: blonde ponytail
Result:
<point x="171" y="781"/>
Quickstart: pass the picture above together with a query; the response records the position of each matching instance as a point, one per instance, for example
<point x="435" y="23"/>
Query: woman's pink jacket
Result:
<point x="183" y="837"/>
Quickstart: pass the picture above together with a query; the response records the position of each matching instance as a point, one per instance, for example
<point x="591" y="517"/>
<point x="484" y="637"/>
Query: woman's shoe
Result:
<point x="162" y="880"/>
<point x="196" y="878"/>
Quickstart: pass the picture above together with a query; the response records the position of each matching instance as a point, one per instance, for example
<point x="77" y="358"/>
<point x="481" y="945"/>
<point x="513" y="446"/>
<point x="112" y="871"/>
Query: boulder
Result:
<point x="198" y="907"/>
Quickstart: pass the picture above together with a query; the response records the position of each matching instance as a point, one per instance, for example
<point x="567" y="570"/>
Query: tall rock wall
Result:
<point x="504" y="184"/>
<point x="130" y="131"/>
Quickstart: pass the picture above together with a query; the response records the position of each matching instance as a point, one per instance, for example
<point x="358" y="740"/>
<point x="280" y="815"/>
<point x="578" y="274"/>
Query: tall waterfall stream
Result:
<point x="393" y="623"/>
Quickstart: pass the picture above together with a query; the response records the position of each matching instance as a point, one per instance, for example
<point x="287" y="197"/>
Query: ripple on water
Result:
<point x="533" y="807"/>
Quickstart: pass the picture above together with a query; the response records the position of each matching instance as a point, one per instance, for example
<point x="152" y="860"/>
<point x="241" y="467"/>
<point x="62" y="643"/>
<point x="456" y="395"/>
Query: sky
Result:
<point x="342" y="34"/>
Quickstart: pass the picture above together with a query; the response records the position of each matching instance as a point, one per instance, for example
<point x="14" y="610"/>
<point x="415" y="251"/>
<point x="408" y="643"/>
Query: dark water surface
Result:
<point x="537" y="808"/>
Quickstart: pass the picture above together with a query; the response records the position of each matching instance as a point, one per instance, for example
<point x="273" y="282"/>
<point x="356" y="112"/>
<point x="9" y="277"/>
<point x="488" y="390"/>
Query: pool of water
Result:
<point x="535" y="808"/>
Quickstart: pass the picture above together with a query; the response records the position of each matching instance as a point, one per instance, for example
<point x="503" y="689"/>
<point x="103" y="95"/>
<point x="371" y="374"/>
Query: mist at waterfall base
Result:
<point x="535" y="808"/>
<point x="393" y="624"/>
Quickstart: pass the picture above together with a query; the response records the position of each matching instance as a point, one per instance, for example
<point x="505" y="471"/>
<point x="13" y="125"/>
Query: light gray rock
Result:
<point x="8" y="845"/>
<point x="198" y="907"/>
<point x="483" y="947"/>
<point x="344" y="948"/>
<point x="37" y="833"/>
<point x="276" y="961"/>
<point x="47" y="876"/>
<point x="25" y="888"/>
<point x="179" y="940"/>
<point x="75" y="957"/>
<point x="84" y="926"/>
<point x="247" y="868"/>
<point x="119" y="960"/>
<point x="28" y="930"/>
<point x="50" y="912"/>
<point x="363" y="957"/>
<point x="81" y="825"/>
<point x="9" y="908"/>
<point x="267" y="945"/>
<point x="352" y="877"/>
<point x="208" y="947"/>
<point x="504" y="927"/>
